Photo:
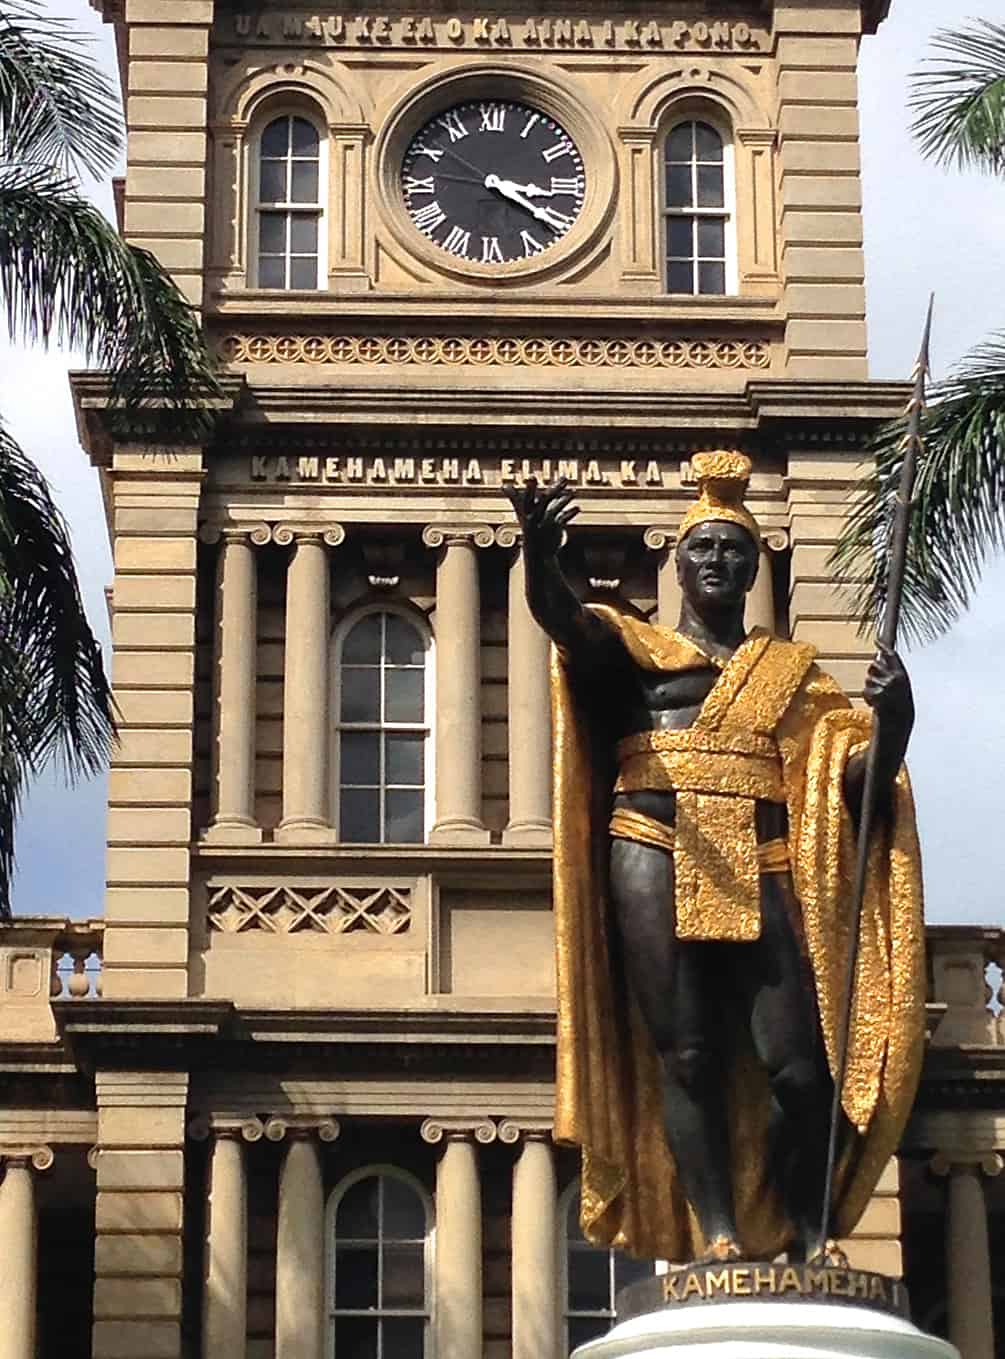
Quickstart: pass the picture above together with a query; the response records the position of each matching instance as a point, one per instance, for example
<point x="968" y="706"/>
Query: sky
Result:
<point x="925" y="229"/>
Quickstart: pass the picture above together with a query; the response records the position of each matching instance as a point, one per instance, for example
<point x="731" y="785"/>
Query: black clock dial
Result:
<point x="491" y="181"/>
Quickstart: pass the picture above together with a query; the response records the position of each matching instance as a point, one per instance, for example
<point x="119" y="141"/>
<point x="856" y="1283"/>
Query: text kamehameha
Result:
<point x="460" y="471"/>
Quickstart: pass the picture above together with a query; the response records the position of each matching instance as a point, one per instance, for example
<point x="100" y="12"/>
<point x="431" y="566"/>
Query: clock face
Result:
<point x="493" y="181"/>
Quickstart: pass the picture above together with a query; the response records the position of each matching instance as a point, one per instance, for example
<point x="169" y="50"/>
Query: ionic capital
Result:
<point x="774" y="540"/>
<point x="331" y="534"/>
<point x="531" y="1129"/>
<point x="294" y="1126"/>
<point x="36" y="1156"/>
<point x="434" y="1129"/>
<point x="509" y="535"/>
<point x="453" y="535"/>
<point x="258" y="533"/>
<point x="990" y="1163"/>
<point x="660" y="537"/>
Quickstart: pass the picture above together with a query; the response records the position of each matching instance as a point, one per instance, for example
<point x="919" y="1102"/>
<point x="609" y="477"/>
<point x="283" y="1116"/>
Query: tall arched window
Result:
<point x="288" y="204"/>
<point x="593" y="1277"/>
<point x="383" y="736"/>
<point x="380" y="1267"/>
<point x="698" y="199"/>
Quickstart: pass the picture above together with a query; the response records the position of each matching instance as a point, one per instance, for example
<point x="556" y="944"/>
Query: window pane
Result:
<point x="360" y="694"/>
<point x="680" y="146"/>
<point x="356" y="1338"/>
<point x="362" y="646"/>
<point x="711" y="277"/>
<point x="359" y="758"/>
<point x="359" y="816"/>
<point x="708" y="143"/>
<point x="305" y="182"/>
<point x="589" y="1280"/>
<point x="710" y="186"/>
<point x="581" y="1329"/>
<point x="404" y="645"/>
<point x="272" y="182"/>
<point x="272" y="233"/>
<point x="680" y="235"/>
<point x="711" y="237"/>
<point x="403" y="817"/>
<point x="679" y="186"/>
<point x="404" y="1214"/>
<point x="404" y="1276"/>
<point x="357" y="1210"/>
<point x="355" y="1277"/>
<point x="303" y="234"/>
<point x="402" y="1338"/>
<point x="305" y="138"/>
<point x="275" y="138"/>
<point x="404" y="760"/>
<point x="304" y="271"/>
<point x="680" y="277"/>
<point x="272" y="272"/>
<point x="404" y="697"/>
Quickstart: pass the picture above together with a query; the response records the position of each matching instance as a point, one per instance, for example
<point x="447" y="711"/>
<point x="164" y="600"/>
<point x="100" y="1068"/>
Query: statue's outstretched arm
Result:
<point x="888" y="692"/>
<point x="543" y="514"/>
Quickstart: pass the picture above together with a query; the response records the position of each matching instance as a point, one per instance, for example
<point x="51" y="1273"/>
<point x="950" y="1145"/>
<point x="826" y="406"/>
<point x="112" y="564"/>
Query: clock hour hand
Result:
<point x="510" y="190"/>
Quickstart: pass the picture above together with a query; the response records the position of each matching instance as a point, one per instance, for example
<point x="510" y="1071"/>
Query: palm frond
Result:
<point x="66" y="275"/>
<point x="958" y="98"/>
<point x="958" y="510"/>
<point x="56" y="104"/>
<point x="55" y="701"/>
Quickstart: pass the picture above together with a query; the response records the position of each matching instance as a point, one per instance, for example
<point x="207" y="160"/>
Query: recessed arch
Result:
<point x="647" y="100"/>
<point x="327" y="85"/>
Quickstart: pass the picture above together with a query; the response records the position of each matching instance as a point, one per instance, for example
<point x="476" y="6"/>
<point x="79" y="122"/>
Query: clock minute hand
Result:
<point x="512" y="191"/>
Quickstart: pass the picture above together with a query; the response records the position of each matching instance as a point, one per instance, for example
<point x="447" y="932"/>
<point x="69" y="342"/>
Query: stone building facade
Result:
<point x="291" y="1096"/>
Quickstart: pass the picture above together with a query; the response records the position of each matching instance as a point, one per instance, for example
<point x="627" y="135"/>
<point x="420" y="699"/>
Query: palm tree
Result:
<point x="67" y="277"/>
<point x="958" y="517"/>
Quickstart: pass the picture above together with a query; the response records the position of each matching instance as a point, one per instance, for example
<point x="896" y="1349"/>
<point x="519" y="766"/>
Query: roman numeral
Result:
<point x="457" y="241"/>
<point x="493" y="117"/>
<point x="534" y="118"/>
<point x="454" y="126"/>
<point x="558" y="221"/>
<point x="432" y="152"/>
<point x="573" y="186"/>
<point x="419" y="185"/>
<point x="562" y="148"/>
<point x="491" y="251"/>
<point x="429" y="217"/>
<point x="530" y="246"/>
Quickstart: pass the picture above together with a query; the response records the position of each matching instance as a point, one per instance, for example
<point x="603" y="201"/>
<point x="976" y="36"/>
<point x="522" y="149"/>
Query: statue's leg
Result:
<point x="675" y="987"/>
<point x="786" y="1034"/>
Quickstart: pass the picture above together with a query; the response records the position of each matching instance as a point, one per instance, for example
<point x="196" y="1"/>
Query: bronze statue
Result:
<point x="707" y="785"/>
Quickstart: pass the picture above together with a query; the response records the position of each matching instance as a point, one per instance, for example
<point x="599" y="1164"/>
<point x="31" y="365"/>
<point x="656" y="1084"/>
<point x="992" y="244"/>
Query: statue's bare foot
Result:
<point x="720" y="1249"/>
<point x="830" y="1253"/>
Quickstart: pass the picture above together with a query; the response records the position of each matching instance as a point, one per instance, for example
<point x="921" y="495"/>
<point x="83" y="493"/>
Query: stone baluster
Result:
<point x="661" y="540"/>
<point x="968" y="1255"/>
<point x="19" y="1237"/>
<point x="235" y="663"/>
<point x="529" y="711"/>
<point x="306" y="737"/>
<point x="225" y="1299"/>
<point x="959" y="971"/>
<point x="535" y="1242"/>
<point x="458" y="684"/>
<point x="458" y="1235"/>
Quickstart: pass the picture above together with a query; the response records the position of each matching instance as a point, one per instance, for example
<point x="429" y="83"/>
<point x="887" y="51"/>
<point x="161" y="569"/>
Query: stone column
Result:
<point x="535" y="1249"/>
<point x="760" y="610"/>
<point x="306" y="716"/>
<point x="529" y="690"/>
<point x="19" y="1245"/>
<point x="300" y="1252"/>
<point x="668" y="595"/>
<point x="968" y="1256"/>
<point x="225" y="1302"/>
<point x="458" y="1237"/>
<point x="458" y="684"/>
<point x="236" y="656"/>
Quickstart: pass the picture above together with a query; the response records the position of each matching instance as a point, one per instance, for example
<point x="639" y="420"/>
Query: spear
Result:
<point x="911" y="445"/>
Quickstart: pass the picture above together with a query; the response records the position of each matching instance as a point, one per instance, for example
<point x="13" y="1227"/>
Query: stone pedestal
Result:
<point x="758" y="1329"/>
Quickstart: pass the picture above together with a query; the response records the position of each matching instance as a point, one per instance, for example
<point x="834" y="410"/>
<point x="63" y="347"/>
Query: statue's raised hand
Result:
<point x="543" y="513"/>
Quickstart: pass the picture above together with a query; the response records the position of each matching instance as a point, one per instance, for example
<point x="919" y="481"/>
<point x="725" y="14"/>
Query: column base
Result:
<point x="231" y="831"/>
<point x="528" y="834"/>
<point x="297" y="831"/>
<point x="459" y="831"/>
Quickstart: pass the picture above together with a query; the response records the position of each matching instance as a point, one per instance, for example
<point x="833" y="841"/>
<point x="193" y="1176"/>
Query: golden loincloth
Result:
<point x="629" y="824"/>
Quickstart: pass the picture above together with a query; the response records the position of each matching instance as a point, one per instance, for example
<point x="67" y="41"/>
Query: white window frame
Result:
<point x="255" y="207"/>
<point x="331" y="1211"/>
<point x="564" y="1203"/>
<point x="421" y="625"/>
<point x="727" y="213"/>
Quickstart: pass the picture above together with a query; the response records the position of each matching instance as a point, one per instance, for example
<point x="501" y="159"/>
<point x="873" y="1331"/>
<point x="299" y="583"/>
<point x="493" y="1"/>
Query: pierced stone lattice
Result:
<point x="322" y="910"/>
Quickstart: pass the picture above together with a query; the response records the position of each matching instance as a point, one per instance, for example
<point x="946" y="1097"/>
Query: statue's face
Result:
<point x="716" y="564"/>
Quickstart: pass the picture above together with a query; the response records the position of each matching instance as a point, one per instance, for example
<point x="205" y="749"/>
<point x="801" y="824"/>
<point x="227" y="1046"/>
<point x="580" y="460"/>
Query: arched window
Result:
<point x="383" y="734"/>
<point x="698" y="211"/>
<point x="288" y="204"/>
<point x="380" y="1267"/>
<point x="593" y="1277"/>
